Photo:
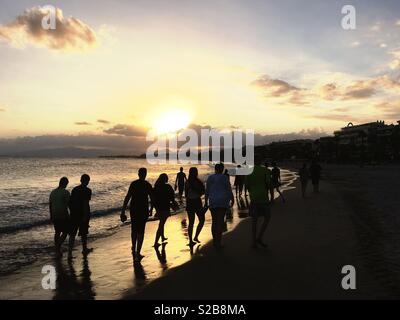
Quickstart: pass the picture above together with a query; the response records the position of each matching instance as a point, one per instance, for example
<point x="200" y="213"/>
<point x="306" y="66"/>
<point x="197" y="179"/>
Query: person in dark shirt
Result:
<point x="164" y="197"/>
<point x="304" y="175"/>
<point x="138" y="194"/>
<point x="80" y="215"/>
<point x="180" y="182"/>
<point x="315" y="173"/>
<point x="194" y="190"/>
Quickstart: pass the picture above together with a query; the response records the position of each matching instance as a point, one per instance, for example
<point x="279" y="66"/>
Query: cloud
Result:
<point x="2" y="110"/>
<point x="103" y="121"/>
<point x="70" y="33"/>
<point x="117" y="144"/>
<point x="390" y="110"/>
<point x="274" y="87"/>
<point x="277" y="88"/>
<point x="83" y="123"/>
<point x="126" y="130"/>
<point x="395" y="62"/>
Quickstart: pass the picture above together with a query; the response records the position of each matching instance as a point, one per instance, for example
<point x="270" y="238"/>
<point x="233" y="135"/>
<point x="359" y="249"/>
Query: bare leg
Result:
<point x="280" y="193"/>
<point x="191" y="217"/>
<point x="134" y="237"/>
<point x="199" y="226"/>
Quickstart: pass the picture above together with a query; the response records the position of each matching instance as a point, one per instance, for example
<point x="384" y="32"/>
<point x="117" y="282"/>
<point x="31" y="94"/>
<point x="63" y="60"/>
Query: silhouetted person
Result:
<point x="304" y="176"/>
<point x="194" y="190"/>
<point x="164" y="197"/>
<point x="80" y="214"/>
<point x="59" y="216"/>
<point x="315" y="173"/>
<point x="219" y="198"/>
<point x="138" y="195"/>
<point x="226" y="172"/>
<point x="258" y="184"/>
<point x="271" y="188"/>
<point x="238" y="183"/>
<point x="276" y="181"/>
<point x="180" y="182"/>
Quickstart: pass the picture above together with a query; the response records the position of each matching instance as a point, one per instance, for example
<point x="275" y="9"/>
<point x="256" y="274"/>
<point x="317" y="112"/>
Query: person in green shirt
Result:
<point x="59" y="216"/>
<point x="258" y="184"/>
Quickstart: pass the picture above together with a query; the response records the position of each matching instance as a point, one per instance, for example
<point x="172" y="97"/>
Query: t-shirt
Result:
<point x="258" y="184"/>
<point x="59" y="200"/>
<point x="219" y="191"/>
<point x="163" y="195"/>
<point x="79" y="202"/>
<point x="140" y="191"/>
<point x="275" y="173"/>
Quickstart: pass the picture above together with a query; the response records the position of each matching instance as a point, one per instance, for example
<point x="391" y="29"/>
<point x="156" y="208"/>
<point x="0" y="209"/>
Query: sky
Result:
<point x="115" y="69"/>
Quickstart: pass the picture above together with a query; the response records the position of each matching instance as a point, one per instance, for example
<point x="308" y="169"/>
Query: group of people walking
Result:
<point x="70" y="213"/>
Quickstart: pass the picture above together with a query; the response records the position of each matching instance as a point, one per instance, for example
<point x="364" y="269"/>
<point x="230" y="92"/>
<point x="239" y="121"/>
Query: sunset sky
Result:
<point x="117" y="68"/>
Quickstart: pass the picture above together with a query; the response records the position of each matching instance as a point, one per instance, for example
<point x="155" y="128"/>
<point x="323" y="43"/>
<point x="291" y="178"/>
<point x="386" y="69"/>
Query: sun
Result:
<point x="171" y="121"/>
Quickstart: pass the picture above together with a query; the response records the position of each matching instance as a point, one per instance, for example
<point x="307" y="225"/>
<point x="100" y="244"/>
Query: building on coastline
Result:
<point x="371" y="142"/>
<point x="367" y="142"/>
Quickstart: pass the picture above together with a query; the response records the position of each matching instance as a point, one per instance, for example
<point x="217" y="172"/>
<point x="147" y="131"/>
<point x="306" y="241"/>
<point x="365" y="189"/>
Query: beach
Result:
<point x="309" y="241"/>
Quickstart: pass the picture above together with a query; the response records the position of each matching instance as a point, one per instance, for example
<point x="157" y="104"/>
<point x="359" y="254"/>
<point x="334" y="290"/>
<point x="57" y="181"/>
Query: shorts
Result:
<point x="315" y="180"/>
<point x="162" y="214"/>
<point x="259" y="210"/>
<point x="82" y="228"/>
<point x="62" y="225"/>
<point x="194" y="205"/>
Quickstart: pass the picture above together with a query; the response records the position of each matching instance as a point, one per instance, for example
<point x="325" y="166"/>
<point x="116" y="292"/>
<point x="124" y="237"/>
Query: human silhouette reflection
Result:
<point x="71" y="287"/>
<point x="140" y="274"/>
<point x="161" y="255"/>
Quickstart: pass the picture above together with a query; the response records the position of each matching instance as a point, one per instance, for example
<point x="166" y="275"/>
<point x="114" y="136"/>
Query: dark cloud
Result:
<point x="83" y="123"/>
<point x="118" y="144"/>
<point x="103" y="121"/>
<point x="274" y="87"/>
<point x="70" y="33"/>
<point x="126" y="130"/>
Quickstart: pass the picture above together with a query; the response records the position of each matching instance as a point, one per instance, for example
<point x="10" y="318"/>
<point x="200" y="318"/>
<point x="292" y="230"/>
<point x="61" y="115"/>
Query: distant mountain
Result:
<point x="66" y="152"/>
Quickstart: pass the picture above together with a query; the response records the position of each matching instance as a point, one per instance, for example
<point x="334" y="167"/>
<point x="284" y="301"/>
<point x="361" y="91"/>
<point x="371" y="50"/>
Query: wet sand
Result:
<point x="310" y="240"/>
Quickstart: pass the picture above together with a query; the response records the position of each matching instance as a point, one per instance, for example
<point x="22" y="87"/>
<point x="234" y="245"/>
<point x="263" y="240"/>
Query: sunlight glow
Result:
<point x="172" y="121"/>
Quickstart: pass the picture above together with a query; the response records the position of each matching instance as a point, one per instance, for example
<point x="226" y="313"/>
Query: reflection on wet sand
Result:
<point x="71" y="286"/>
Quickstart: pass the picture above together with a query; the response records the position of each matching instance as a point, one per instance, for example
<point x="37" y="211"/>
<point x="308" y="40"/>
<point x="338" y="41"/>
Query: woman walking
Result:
<point x="164" y="197"/>
<point x="194" y="189"/>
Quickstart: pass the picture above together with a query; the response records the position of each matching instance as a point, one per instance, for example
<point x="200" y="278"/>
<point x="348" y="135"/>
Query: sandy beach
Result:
<point x="310" y="240"/>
